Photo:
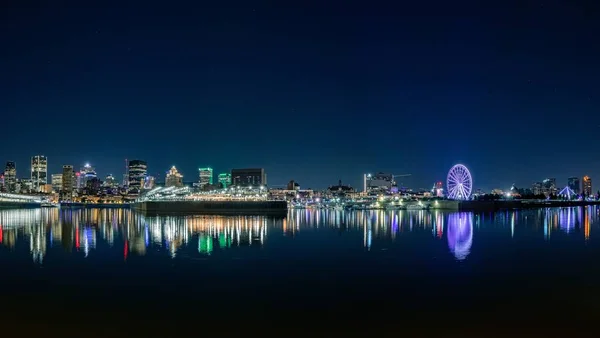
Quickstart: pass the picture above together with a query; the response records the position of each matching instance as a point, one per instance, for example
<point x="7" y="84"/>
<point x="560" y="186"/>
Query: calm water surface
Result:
<point x="113" y="271"/>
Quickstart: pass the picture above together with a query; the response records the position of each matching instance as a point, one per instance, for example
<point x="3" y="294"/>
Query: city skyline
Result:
<point x="580" y="179"/>
<point x="312" y="92"/>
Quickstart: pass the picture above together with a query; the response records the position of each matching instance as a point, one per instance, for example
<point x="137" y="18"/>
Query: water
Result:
<point x="114" y="272"/>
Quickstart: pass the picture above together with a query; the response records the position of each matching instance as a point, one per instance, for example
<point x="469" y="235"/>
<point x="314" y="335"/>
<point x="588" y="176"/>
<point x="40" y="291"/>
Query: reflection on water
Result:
<point x="120" y="229"/>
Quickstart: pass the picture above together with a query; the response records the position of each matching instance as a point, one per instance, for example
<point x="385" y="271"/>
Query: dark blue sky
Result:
<point x="310" y="92"/>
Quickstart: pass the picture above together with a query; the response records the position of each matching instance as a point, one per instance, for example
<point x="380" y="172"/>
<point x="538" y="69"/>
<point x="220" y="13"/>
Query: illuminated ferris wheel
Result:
<point x="459" y="183"/>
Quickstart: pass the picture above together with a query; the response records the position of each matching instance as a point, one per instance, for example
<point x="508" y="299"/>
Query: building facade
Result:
<point x="39" y="173"/>
<point x="225" y="180"/>
<point x="10" y="176"/>
<point x="174" y="178"/>
<point x="378" y="183"/>
<point x="248" y="177"/>
<point x="205" y="177"/>
<point x="587" y="186"/>
<point x="57" y="182"/>
<point x="68" y="183"/>
<point x="549" y="186"/>
<point x="137" y="171"/>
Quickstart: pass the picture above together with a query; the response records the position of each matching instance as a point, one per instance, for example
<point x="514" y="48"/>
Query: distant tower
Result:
<point x="67" y="182"/>
<point x="126" y="175"/>
<point x="174" y="178"/>
<point x="225" y="180"/>
<point x="206" y="177"/>
<point x="587" y="186"/>
<point x="138" y="170"/>
<point x="10" y="176"/>
<point x="39" y="172"/>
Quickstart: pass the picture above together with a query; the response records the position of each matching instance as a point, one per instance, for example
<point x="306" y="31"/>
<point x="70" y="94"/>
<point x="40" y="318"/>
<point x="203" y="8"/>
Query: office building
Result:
<point x="206" y="177"/>
<point x="549" y="186"/>
<point x="109" y="181"/>
<point x="57" y="182"/>
<point x="137" y="170"/>
<point x="10" y="176"/>
<point x="252" y="177"/>
<point x="225" y="180"/>
<point x="587" y="186"/>
<point x="39" y="173"/>
<point x="378" y="183"/>
<point x="84" y="175"/>
<point x="573" y="184"/>
<point x="149" y="182"/>
<point x="174" y="178"/>
<point x="67" y="182"/>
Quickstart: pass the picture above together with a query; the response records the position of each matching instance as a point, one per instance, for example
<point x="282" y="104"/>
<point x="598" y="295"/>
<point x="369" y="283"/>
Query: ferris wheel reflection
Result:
<point x="460" y="234"/>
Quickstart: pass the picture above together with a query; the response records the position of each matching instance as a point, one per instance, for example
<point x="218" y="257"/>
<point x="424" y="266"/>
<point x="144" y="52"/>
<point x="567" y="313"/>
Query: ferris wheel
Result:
<point x="459" y="183"/>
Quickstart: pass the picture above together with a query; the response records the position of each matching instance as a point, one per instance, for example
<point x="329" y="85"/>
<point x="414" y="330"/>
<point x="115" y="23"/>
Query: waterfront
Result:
<point x="370" y="270"/>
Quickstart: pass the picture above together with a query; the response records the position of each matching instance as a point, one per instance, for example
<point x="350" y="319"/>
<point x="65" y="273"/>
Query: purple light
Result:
<point x="460" y="234"/>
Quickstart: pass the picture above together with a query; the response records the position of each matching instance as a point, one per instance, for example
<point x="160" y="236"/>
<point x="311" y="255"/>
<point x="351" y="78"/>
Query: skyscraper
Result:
<point x="57" y="182"/>
<point x="573" y="184"/>
<point x="225" y="180"/>
<point x="206" y="177"/>
<point x="174" y="178"/>
<point x="587" y="186"/>
<point x="248" y="177"/>
<point x="67" y="183"/>
<point x="10" y="176"/>
<point x="39" y="172"/>
<point x="138" y="170"/>
<point x="85" y="174"/>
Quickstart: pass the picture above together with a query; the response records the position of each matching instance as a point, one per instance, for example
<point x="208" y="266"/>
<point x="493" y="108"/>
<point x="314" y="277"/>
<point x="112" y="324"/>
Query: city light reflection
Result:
<point x="81" y="230"/>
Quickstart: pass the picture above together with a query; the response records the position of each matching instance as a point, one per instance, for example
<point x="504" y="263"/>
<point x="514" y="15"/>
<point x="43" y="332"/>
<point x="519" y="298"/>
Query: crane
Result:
<point x="400" y="175"/>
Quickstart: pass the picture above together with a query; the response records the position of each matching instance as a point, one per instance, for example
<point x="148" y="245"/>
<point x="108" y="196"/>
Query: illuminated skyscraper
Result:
<point x="57" y="182"/>
<point x="587" y="186"/>
<point x="67" y="182"/>
<point x="85" y="174"/>
<point x="10" y="176"/>
<point x="206" y="177"/>
<point x="109" y="181"/>
<point x="39" y="172"/>
<point x="138" y="170"/>
<point x="225" y="180"/>
<point x="174" y="178"/>
<point x="149" y="182"/>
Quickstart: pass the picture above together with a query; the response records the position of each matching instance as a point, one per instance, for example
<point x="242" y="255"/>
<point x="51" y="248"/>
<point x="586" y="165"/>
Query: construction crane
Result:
<point x="401" y="175"/>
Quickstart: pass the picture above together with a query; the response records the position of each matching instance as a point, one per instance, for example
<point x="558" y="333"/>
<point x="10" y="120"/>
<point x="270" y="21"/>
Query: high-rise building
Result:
<point x="109" y="181"/>
<point x="537" y="188"/>
<point x="174" y="178"/>
<point x="587" y="186"/>
<point x="573" y="184"/>
<point x="549" y="186"/>
<point x="85" y="174"/>
<point x="39" y="172"/>
<point x="10" y="176"/>
<point x="378" y="183"/>
<point x="67" y="182"/>
<point x="149" y="182"/>
<point x="138" y="170"/>
<point x="57" y="182"/>
<point x="206" y="177"/>
<point x="248" y="177"/>
<point x="225" y="180"/>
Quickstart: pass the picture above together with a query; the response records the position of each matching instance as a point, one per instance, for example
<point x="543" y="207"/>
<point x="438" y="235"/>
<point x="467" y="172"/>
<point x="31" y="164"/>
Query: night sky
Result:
<point x="310" y="92"/>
